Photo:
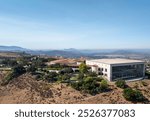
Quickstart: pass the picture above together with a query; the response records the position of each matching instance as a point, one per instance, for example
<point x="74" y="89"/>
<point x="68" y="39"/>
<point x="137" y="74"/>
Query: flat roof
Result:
<point x="116" y="61"/>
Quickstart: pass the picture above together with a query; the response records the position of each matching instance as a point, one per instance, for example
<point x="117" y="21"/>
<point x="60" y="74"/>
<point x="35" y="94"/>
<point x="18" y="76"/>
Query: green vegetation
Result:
<point x="80" y="76"/>
<point x="91" y="86"/>
<point x="9" y="62"/>
<point x="133" y="95"/>
<point x="16" y="71"/>
<point x="83" y="68"/>
<point x="66" y="70"/>
<point x="103" y="85"/>
<point x="83" y="80"/>
<point x="121" y="84"/>
<point x="51" y="77"/>
<point x="57" y="67"/>
<point x="147" y="74"/>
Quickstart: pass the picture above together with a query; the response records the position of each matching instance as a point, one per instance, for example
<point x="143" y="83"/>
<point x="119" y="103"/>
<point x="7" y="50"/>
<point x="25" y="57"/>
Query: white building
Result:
<point x="114" y="69"/>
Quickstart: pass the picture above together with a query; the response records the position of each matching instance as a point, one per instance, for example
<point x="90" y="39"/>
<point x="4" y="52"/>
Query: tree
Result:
<point x="31" y="69"/>
<point x="9" y="62"/>
<point x="16" y="71"/>
<point x="83" y="68"/>
<point x="19" y="69"/>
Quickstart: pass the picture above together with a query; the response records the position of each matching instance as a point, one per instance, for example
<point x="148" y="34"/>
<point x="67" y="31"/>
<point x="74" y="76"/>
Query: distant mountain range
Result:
<point x="12" y="48"/>
<point x="95" y="53"/>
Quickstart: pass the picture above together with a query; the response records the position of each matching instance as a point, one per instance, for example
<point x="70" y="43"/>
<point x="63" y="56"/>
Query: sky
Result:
<point x="80" y="24"/>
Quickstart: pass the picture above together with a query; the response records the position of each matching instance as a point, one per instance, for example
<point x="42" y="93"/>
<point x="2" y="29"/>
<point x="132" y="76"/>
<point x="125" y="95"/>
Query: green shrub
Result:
<point x="121" y="84"/>
<point x="92" y="74"/>
<point x="66" y="70"/>
<point x="80" y="76"/>
<point x="147" y="73"/>
<point x="103" y="85"/>
<point x="91" y="86"/>
<point x="133" y="95"/>
<point x="31" y="69"/>
<point x="51" y="77"/>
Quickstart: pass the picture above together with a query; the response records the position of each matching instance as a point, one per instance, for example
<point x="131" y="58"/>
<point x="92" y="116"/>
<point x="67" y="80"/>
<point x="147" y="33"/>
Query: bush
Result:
<point x="66" y="77"/>
<point x="80" y="76"/>
<point x="133" y="95"/>
<point x="18" y="70"/>
<point x="31" y="69"/>
<point x="51" y="77"/>
<point x="91" y="86"/>
<point x="66" y="70"/>
<point x="103" y="85"/>
<point x="92" y="74"/>
<point x="121" y="84"/>
<point x="147" y="73"/>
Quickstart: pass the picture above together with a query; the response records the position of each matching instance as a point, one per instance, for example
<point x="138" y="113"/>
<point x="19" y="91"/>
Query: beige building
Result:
<point x="114" y="69"/>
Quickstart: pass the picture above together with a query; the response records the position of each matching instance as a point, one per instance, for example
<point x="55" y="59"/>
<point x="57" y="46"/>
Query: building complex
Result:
<point x="115" y="69"/>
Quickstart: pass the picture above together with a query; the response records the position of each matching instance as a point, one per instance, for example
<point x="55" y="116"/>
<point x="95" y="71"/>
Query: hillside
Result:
<point x="26" y="89"/>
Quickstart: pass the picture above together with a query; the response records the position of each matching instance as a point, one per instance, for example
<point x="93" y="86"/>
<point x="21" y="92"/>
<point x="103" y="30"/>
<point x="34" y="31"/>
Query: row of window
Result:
<point x="100" y="73"/>
<point x="102" y="69"/>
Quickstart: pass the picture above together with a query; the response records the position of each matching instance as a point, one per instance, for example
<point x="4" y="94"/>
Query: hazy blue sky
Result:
<point x="58" y="24"/>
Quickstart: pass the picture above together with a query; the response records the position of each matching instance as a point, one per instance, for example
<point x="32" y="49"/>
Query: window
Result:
<point x="105" y="70"/>
<point x="100" y="73"/>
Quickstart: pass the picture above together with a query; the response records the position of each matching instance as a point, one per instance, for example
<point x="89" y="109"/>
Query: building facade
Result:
<point x="115" y="69"/>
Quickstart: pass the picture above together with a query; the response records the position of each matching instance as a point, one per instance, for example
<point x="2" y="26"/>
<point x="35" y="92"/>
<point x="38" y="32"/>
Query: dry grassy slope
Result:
<point x="25" y="89"/>
<point x="9" y="54"/>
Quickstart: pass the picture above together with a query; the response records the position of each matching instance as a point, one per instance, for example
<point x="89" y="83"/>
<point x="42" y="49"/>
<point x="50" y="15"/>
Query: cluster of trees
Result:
<point x="9" y="62"/>
<point x="91" y="85"/>
<point x="16" y="71"/>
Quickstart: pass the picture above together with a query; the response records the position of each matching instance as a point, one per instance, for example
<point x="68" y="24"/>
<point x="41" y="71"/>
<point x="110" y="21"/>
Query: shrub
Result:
<point x="31" y="69"/>
<point x="66" y="70"/>
<point x="133" y="95"/>
<point x="103" y="85"/>
<point x="147" y="74"/>
<point x="121" y="84"/>
<point x="51" y="77"/>
<point x="80" y="76"/>
<point x="91" y="86"/>
<point x="92" y="74"/>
